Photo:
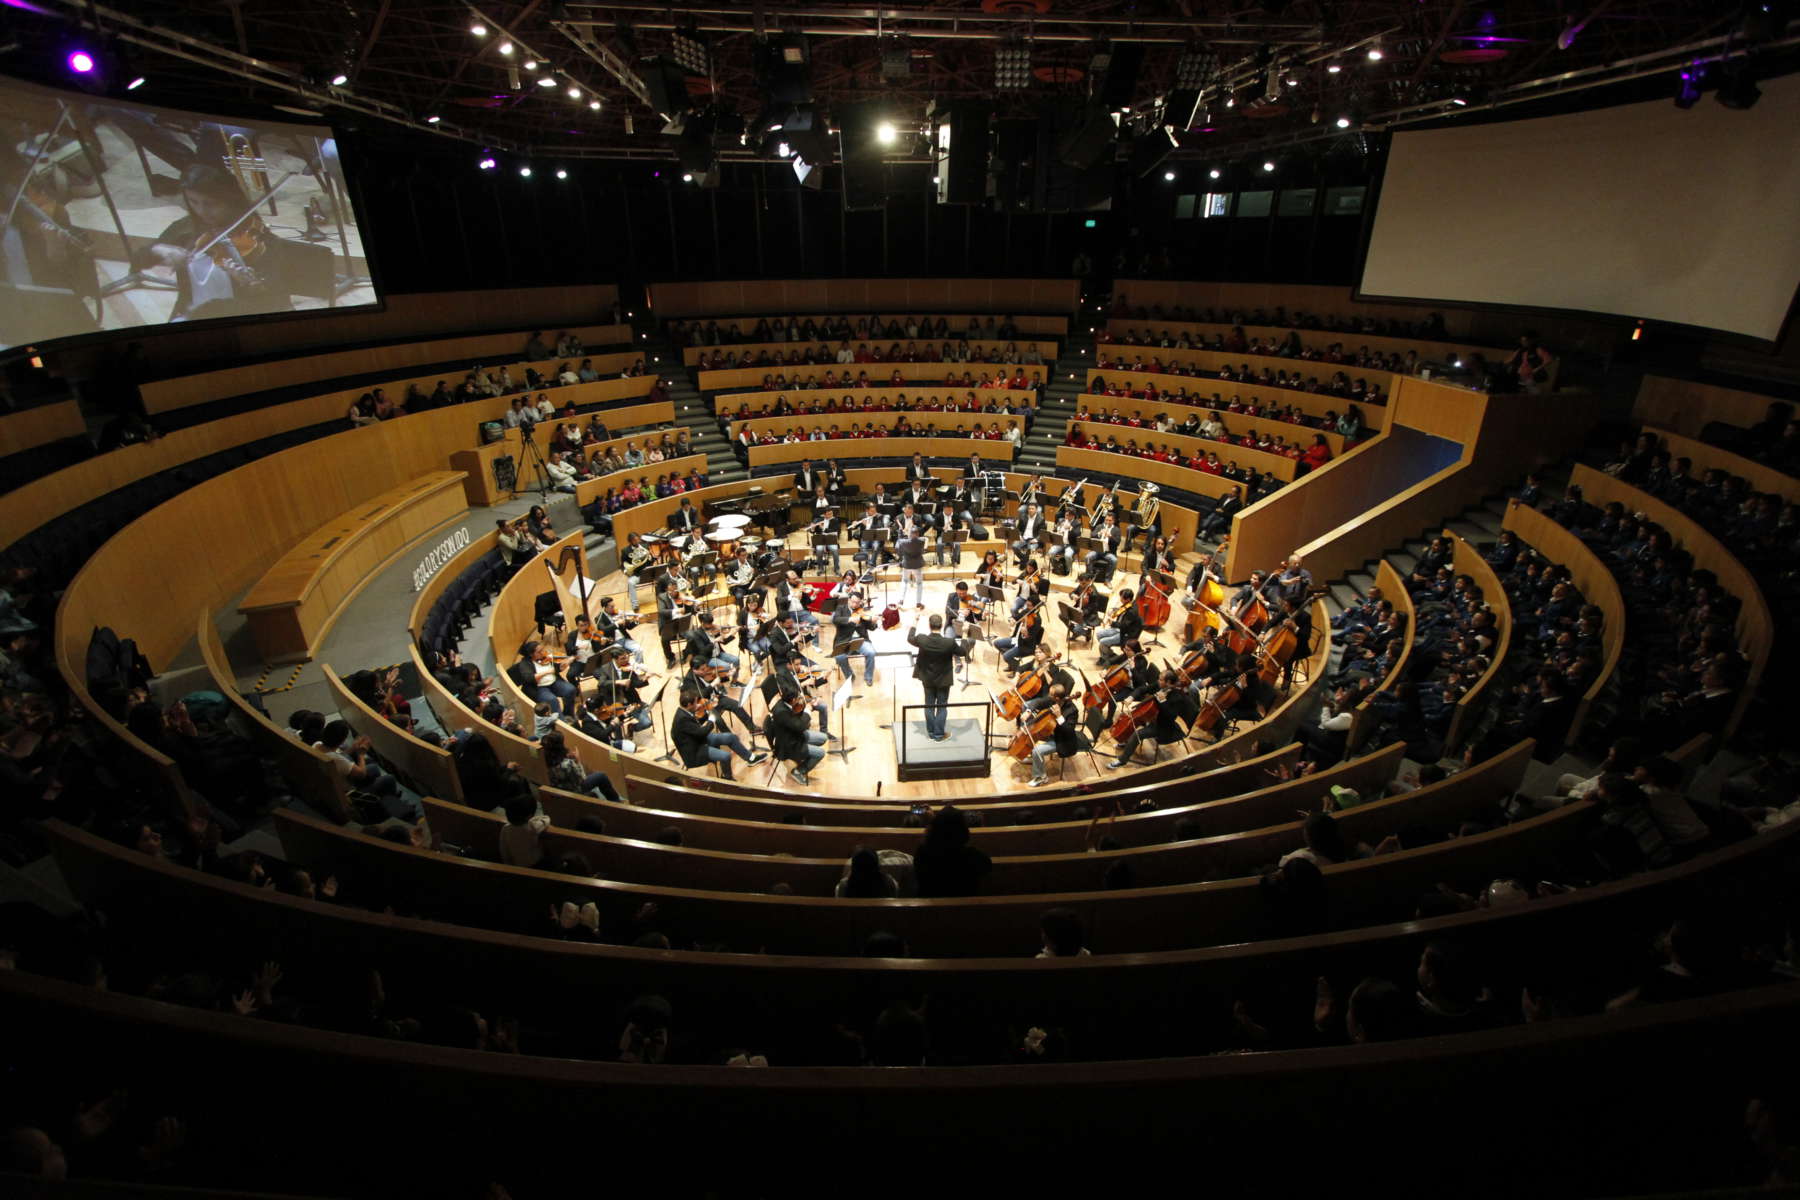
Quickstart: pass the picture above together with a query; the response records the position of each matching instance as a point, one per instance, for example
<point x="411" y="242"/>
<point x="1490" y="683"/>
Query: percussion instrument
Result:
<point x="725" y="541"/>
<point x="730" y="521"/>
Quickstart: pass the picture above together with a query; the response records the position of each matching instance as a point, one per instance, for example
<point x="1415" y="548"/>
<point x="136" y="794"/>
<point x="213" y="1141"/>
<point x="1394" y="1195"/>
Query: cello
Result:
<point x="1041" y="728"/>
<point x="1134" y="719"/>
<point x="1113" y="684"/>
<point x="1153" y="604"/>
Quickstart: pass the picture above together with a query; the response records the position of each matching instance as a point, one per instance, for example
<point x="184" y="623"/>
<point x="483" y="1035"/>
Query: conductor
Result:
<point x="935" y="670"/>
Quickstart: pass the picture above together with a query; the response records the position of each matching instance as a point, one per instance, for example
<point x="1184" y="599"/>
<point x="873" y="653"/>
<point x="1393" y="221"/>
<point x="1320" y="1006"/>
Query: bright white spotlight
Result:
<point x="525" y="171"/>
<point x="506" y="47"/>
<point x="487" y="164"/>
<point x="1333" y="68"/>
<point x="782" y="150"/>
<point x="340" y="79"/>
<point x="530" y="64"/>
<point x="1374" y="53"/>
<point x="1343" y="122"/>
<point x="1168" y="177"/>
<point x="135" y="84"/>
<point x="884" y="133"/>
<point x="433" y="119"/>
<point x="1269" y="164"/>
<point x="546" y="81"/>
<point x="561" y="174"/>
<point x="594" y="104"/>
<point x="574" y="93"/>
<point x="478" y="29"/>
<point x="687" y="178"/>
<point x="1214" y="173"/>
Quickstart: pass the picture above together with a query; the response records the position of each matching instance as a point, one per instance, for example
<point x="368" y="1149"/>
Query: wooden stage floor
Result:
<point x="871" y="768"/>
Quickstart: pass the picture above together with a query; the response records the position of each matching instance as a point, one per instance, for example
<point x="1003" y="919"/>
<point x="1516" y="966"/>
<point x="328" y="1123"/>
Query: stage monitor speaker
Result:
<point x="667" y="85"/>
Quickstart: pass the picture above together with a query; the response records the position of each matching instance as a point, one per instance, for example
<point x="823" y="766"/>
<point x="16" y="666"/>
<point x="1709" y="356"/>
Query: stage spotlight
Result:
<point x="1214" y="173"/>
<point x="478" y="29"/>
<point x="525" y="172"/>
<point x="1168" y="177"/>
<point x="561" y="173"/>
<point x="595" y="106"/>
<point x="505" y="47"/>
<point x="433" y="119"/>
<point x="530" y="64"/>
<point x="1688" y="85"/>
<point x="1343" y="122"/>
<point x="1268" y="165"/>
<point x="546" y="81"/>
<point x="340" y="79"/>
<point x="1333" y="68"/>
<point x="136" y="83"/>
<point x="81" y="62"/>
<point x="884" y="133"/>
<point x="782" y="150"/>
<point x="687" y="177"/>
<point x="487" y="164"/>
<point x="1374" y="53"/>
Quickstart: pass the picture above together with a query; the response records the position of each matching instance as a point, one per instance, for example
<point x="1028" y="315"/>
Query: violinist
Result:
<point x="619" y="683"/>
<point x="790" y="600"/>
<point x="990" y="574"/>
<point x="540" y="676"/>
<point x="790" y="732"/>
<point x="1064" y="740"/>
<point x="602" y="723"/>
<point x="793" y="679"/>
<point x="704" y="646"/>
<point x="41" y="248"/>
<point x="703" y="679"/>
<point x="617" y="629"/>
<point x="1123" y="625"/>
<point x="226" y="261"/>
<point x="1034" y="588"/>
<point x="582" y="643"/>
<point x="1090" y="605"/>
<point x="1175" y="710"/>
<point x="698" y="741"/>
<point x="669" y="612"/>
<point x="963" y="611"/>
<point x="853" y="632"/>
<point x="1027" y="635"/>
<point x="754" y="625"/>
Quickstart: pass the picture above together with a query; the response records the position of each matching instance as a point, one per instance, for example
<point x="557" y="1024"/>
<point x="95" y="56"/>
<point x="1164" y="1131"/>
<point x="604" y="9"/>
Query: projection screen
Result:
<point x="1642" y="210"/>
<point x="120" y="215"/>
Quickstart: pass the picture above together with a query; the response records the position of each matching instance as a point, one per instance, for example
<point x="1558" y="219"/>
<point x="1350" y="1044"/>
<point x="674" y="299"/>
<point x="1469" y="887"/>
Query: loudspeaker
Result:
<point x="1121" y="75"/>
<point x="963" y="164"/>
<point x="667" y="85"/>
<point x="1088" y="138"/>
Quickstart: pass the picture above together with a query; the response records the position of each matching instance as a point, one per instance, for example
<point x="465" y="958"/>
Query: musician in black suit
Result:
<point x="866" y="527"/>
<point x="918" y="494"/>
<point x="618" y="629"/>
<point x="620" y="684"/>
<point x="851" y="624"/>
<point x="824" y="528"/>
<point x="790" y="599"/>
<point x="1124" y="626"/>
<point x="834" y="476"/>
<point x="1030" y="531"/>
<point x="1027" y="635"/>
<point x="698" y="741"/>
<point x="962" y="504"/>
<point x="974" y="470"/>
<point x="1064" y="740"/>
<point x="1104" y="557"/>
<point x="1175" y="711"/>
<point x="942" y="520"/>
<point x="684" y="519"/>
<point x="723" y="701"/>
<point x="806" y="479"/>
<point x="704" y="646"/>
<point x="790" y="733"/>
<point x="911" y="551"/>
<point x="916" y="471"/>
<point x="935" y="669"/>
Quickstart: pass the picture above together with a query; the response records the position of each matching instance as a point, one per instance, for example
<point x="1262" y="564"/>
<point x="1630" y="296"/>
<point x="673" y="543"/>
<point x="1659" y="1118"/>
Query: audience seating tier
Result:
<point x="979" y="348"/>
<point x="29" y="428"/>
<point x="477" y="464"/>
<point x="589" y="490"/>
<point x="295" y="602"/>
<point x="1094" y="463"/>
<point x="1592" y="578"/>
<point x="1394" y="589"/>
<point x="1468" y="561"/>
<point x="1121" y="327"/>
<point x="1001" y="452"/>
<point x="1687" y="407"/>
<point x="427" y="769"/>
<point x="1202" y="388"/>
<point x="1178" y="411"/>
<point x="726" y="403"/>
<point x="944" y="421"/>
<point x="867" y="297"/>
<point x="1279" y="466"/>
<point x="1205" y="364"/>
<point x="1755" y="623"/>
<point x="1706" y="457"/>
<point x="926" y="375"/>
<point x="311" y="773"/>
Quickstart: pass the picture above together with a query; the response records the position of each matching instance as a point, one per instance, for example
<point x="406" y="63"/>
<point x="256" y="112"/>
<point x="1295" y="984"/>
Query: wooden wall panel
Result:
<point x="1686" y="407"/>
<point x="30" y="428"/>
<point x="747" y="378"/>
<point x="1759" y="476"/>
<point x="939" y="447"/>
<point x="852" y="295"/>
<point x="1122" y="327"/>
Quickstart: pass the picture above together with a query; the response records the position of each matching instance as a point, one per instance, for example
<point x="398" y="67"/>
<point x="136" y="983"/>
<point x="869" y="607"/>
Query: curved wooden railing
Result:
<point x="1394" y="588"/>
<point x="1468" y="561"/>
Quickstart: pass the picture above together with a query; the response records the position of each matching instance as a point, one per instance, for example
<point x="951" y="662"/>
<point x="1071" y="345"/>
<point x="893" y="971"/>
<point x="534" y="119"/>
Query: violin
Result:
<point x="238" y="251"/>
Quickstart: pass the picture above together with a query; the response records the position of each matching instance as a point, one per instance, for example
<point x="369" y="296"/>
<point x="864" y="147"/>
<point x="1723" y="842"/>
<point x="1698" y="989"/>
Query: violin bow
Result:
<point x="248" y="212"/>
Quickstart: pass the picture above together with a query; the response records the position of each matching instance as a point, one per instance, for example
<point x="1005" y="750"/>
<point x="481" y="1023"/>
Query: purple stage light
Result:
<point x="80" y="62"/>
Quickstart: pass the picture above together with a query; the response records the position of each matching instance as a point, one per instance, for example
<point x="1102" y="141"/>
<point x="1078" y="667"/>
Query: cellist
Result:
<point x="1064" y="739"/>
<point x="1175" y="711"/>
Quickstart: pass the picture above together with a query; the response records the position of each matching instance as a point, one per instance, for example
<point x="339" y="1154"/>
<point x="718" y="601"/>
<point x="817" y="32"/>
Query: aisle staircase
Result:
<point x="1057" y="404"/>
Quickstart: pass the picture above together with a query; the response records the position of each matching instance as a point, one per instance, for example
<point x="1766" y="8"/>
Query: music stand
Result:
<point x="957" y="538"/>
<point x="993" y="595"/>
<point x="840" y="701"/>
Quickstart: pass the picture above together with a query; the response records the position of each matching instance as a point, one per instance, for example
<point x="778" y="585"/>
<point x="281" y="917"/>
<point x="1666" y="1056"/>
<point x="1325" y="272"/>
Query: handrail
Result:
<point x="1468" y="561"/>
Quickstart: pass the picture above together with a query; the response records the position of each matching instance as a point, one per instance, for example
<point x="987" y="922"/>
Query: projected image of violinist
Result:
<point x="119" y="215"/>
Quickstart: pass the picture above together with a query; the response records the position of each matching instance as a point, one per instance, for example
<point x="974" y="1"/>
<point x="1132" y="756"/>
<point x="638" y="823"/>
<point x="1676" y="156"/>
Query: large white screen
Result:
<point x="117" y="214"/>
<point x="1643" y="210"/>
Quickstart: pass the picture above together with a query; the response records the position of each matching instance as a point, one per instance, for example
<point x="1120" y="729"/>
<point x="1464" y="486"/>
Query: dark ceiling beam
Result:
<point x="468" y="59"/>
<point x="362" y="56"/>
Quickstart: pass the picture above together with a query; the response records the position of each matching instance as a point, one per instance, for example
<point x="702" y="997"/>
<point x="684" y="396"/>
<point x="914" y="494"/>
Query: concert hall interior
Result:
<point x="1016" y="578"/>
